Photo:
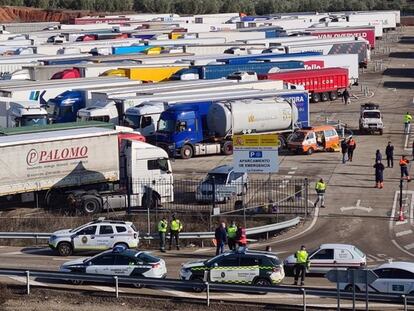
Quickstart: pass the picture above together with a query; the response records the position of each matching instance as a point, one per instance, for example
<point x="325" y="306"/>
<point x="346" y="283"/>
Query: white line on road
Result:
<point x="402" y="249"/>
<point x="401" y="222"/>
<point x="22" y="279"/>
<point x="32" y="251"/>
<point x="180" y="294"/>
<point x="409" y="246"/>
<point x="401" y="233"/>
<point x="291" y="172"/>
<point x="294" y="168"/>
<point x="106" y="289"/>
<point x="288" y="176"/>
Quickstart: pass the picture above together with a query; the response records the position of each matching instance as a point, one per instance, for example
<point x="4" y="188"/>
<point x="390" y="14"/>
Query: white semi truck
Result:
<point x="22" y="113"/>
<point x="84" y="170"/>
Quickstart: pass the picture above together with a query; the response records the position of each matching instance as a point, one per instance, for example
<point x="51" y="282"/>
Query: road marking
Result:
<point x="374" y="257"/>
<point x="294" y="168"/>
<point x="402" y="249"/>
<point x="180" y="294"/>
<point x="409" y="246"/>
<point x="357" y="206"/>
<point x="288" y="176"/>
<point x="401" y="233"/>
<point x="22" y="279"/>
<point x="291" y="172"/>
<point x="401" y="222"/>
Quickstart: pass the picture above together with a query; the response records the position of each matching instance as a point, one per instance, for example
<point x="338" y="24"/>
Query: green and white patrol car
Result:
<point x="97" y="235"/>
<point x="236" y="267"/>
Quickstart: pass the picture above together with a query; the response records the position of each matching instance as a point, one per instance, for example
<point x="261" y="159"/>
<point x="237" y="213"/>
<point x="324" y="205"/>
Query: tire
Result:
<point x="333" y="95"/>
<point x="316" y="97"/>
<point x="198" y="288"/>
<point x="227" y="148"/>
<point x="349" y="287"/>
<point x="262" y="282"/>
<point x="91" y="205"/>
<point x="310" y="151"/>
<point x="122" y="244"/>
<point x="64" y="249"/>
<point x="324" y="97"/>
<point x="381" y="132"/>
<point x="186" y="152"/>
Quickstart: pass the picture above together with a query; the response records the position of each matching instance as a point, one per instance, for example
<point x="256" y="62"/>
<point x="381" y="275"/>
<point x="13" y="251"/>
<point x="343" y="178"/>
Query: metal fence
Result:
<point x="281" y="197"/>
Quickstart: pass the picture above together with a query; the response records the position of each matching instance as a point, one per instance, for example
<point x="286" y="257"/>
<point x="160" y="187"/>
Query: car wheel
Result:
<point x="333" y="95"/>
<point x="65" y="249"/>
<point x="198" y="288"/>
<point x="349" y="288"/>
<point x="186" y="152"/>
<point x="262" y="282"/>
<point x="138" y="285"/>
<point x="310" y="151"/>
<point x="124" y="245"/>
<point x="381" y="132"/>
<point x="316" y="97"/>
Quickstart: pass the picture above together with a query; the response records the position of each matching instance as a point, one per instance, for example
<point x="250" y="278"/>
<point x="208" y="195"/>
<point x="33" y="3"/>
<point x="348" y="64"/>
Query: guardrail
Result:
<point x="181" y="285"/>
<point x="183" y="235"/>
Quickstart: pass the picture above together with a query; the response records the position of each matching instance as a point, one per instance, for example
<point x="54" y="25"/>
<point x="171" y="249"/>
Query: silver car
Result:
<point x="226" y="184"/>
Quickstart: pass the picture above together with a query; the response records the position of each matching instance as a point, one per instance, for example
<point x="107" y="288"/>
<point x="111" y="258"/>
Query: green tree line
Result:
<point x="260" y="7"/>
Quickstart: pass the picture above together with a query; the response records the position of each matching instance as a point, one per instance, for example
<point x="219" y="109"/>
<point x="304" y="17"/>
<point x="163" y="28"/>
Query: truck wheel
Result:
<point x="381" y="132"/>
<point x="91" y="205"/>
<point x="65" y="249"/>
<point x="186" y="152"/>
<point x="325" y="97"/>
<point x="316" y="97"/>
<point x="227" y="148"/>
<point x="333" y="95"/>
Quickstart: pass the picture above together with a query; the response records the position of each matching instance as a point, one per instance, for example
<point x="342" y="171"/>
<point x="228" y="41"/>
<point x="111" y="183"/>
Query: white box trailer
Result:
<point x="388" y="19"/>
<point x="182" y="42"/>
<point x="376" y="24"/>
<point x="232" y="36"/>
<point x="235" y="48"/>
<point x="193" y="27"/>
<point x="349" y="61"/>
<point x="42" y="92"/>
<point x="83" y="169"/>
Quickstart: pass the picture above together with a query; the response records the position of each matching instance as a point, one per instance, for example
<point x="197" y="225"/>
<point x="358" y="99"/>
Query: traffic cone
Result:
<point x="400" y="215"/>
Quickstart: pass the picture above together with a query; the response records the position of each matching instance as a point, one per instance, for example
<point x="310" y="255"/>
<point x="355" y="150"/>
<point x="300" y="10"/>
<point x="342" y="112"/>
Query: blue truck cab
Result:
<point x="64" y="107"/>
<point x="182" y="126"/>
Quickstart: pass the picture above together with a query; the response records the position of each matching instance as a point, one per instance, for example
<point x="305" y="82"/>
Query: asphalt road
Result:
<point x="355" y="213"/>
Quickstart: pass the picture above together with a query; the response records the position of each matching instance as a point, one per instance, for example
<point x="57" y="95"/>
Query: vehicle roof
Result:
<point x="222" y="169"/>
<point x="317" y="128"/>
<point x="337" y="245"/>
<point x="409" y="266"/>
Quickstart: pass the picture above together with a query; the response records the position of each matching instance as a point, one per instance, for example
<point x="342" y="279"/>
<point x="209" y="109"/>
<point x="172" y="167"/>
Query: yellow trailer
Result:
<point x="146" y="74"/>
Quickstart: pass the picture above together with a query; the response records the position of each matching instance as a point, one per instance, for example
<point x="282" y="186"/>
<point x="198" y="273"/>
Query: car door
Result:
<point x="322" y="260"/>
<point x="225" y="269"/>
<point x="85" y="238"/>
<point x="101" y="264"/>
<point x="400" y="282"/>
<point x="382" y="283"/>
<point x="123" y="265"/>
<point x="344" y="259"/>
<point x="105" y="237"/>
<point x="249" y="269"/>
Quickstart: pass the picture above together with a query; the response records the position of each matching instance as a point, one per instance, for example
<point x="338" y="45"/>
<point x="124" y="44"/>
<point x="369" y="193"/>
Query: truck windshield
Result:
<point x="297" y="137"/>
<point x="166" y="125"/>
<point x="33" y="120"/>
<point x="372" y="115"/>
<point x="218" y="178"/>
<point x="132" y="121"/>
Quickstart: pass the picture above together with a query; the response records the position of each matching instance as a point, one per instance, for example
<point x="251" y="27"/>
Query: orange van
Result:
<point x="310" y="139"/>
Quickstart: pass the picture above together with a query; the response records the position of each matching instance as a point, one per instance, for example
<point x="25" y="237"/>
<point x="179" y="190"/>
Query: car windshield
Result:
<point x="166" y="125"/>
<point x="212" y="260"/>
<point x="297" y="137"/>
<point x="218" y="178"/>
<point x="372" y="115"/>
<point x="145" y="257"/>
<point x="78" y="228"/>
<point x="359" y="252"/>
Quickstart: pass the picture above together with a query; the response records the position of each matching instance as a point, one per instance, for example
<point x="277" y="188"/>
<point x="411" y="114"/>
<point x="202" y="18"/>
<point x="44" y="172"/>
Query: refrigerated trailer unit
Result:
<point x="83" y="170"/>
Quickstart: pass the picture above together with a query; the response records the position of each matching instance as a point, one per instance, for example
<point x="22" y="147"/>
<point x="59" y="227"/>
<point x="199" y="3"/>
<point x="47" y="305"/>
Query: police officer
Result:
<point x="302" y="262"/>
<point x="175" y="229"/>
<point x="407" y="121"/>
<point x="162" y="231"/>
<point x="231" y="235"/>
<point x="389" y="152"/>
<point x="320" y="188"/>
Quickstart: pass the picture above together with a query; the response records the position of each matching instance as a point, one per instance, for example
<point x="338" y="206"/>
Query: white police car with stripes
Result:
<point x="120" y="262"/>
<point x="236" y="267"/>
<point x="97" y="235"/>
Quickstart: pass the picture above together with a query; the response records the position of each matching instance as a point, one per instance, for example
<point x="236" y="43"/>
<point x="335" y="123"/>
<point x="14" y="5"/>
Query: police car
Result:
<point x="330" y="256"/>
<point x="98" y="235"/>
<point x="238" y="267"/>
<point x="120" y="262"/>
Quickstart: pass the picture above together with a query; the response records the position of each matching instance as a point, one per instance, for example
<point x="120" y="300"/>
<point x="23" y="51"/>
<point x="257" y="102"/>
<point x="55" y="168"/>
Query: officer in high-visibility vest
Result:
<point x="302" y="263"/>
<point x="231" y="235"/>
<point x="162" y="231"/>
<point x="320" y="188"/>
<point x="407" y="121"/>
<point x="175" y="229"/>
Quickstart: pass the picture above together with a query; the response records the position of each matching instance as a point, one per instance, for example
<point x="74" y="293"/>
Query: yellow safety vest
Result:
<point x="162" y="226"/>
<point x="176" y="225"/>
<point x="302" y="257"/>
<point x="407" y="118"/>
<point x="320" y="186"/>
<point x="232" y="232"/>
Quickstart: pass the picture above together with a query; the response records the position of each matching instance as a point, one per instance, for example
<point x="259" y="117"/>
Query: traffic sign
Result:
<point x="351" y="276"/>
